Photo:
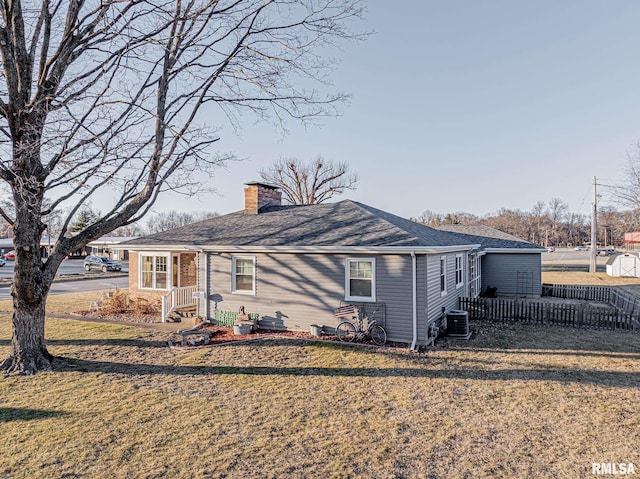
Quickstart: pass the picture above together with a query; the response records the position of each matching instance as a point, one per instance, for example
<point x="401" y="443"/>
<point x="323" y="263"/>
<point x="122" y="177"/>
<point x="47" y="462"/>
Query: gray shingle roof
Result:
<point x="488" y="237"/>
<point x="346" y="223"/>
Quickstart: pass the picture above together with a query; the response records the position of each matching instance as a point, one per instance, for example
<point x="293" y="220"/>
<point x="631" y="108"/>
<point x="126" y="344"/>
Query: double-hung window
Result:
<point x="360" y="279"/>
<point x="459" y="271"/>
<point x="244" y="275"/>
<point x="153" y="271"/>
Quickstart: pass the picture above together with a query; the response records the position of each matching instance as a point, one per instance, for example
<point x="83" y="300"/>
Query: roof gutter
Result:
<point x="414" y="264"/>
<point x="515" y="250"/>
<point x="308" y="249"/>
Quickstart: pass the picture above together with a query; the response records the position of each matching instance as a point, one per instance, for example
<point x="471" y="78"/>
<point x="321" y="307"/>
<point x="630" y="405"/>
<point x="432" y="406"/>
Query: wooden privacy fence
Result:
<point x="530" y="311"/>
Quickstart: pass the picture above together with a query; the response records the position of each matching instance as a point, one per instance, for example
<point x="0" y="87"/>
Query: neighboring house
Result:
<point x="293" y="265"/>
<point x="108" y="246"/>
<point x="508" y="263"/>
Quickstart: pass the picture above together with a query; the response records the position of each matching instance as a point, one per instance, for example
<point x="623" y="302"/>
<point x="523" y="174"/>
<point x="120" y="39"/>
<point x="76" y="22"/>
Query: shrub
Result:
<point x="121" y="302"/>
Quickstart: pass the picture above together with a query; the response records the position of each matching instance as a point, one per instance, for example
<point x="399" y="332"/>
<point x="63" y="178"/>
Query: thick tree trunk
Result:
<point x="28" y="351"/>
<point x="31" y="283"/>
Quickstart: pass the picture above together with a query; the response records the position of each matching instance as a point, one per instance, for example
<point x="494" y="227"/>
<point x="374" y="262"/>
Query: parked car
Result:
<point x="102" y="263"/>
<point x="10" y="255"/>
<point x="2" y="262"/>
<point x="581" y="248"/>
<point x="551" y="249"/>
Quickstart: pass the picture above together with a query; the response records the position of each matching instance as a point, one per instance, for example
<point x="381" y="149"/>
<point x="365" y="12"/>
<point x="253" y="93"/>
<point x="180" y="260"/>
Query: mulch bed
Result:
<point x="225" y="335"/>
<point x="126" y="316"/>
<point x="220" y="334"/>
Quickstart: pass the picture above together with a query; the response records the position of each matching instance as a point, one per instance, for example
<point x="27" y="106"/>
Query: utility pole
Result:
<point x="594" y="219"/>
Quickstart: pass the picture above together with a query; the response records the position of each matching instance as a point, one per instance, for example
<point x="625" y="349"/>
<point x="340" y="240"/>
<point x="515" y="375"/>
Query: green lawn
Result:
<point x="513" y="402"/>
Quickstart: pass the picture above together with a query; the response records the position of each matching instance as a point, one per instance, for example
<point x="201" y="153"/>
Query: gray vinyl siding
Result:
<point x="513" y="273"/>
<point x="394" y="289"/>
<point x="435" y="301"/>
<point x="294" y="291"/>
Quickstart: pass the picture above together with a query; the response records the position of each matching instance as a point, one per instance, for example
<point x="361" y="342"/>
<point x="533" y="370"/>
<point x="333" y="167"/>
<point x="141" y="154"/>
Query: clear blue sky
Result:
<point x="468" y="106"/>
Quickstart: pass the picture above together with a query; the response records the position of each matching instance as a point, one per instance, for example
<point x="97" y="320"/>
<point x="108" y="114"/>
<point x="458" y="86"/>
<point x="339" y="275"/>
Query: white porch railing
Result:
<point x="177" y="298"/>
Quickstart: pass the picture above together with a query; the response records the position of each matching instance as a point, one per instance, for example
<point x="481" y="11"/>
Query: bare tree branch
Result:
<point x="629" y="194"/>
<point x="310" y="183"/>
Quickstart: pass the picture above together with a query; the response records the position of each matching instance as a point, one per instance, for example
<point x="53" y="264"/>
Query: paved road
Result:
<point x="93" y="284"/>
<point x="68" y="266"/>
<point x="567" y="259"/>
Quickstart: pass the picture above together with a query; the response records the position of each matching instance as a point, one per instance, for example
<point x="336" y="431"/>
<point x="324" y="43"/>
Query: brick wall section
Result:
<point x="188" y="272"/>
<point x="256" y="196"/>
<point x="134" y="274"/>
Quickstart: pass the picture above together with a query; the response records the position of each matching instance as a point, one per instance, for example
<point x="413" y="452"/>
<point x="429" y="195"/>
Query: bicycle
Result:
<point x="353" y="330"/>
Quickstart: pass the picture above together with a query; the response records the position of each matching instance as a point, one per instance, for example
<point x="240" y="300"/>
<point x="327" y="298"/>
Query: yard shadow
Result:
<point x="98" y="342"/>
<point x="140" y="343"/>
<point x="555" y="352"/>
<point x="8" y="414"/>
<point x="563" y="375"/>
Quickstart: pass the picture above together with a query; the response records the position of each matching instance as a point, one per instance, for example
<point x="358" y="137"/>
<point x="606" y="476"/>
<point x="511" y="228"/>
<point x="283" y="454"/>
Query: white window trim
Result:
<point x="347" y="284"/>
<point x="461" y="269"/>
<point x="233" y="276"/>
<point x="154" y="254"/>
<point x="443" y="272"/>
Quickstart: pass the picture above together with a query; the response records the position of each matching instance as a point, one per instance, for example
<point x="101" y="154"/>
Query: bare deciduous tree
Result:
<point x="168" y="220"/>
<point x="110" y="96"/>
<point x="310" y="183"/>
<point x="629" y="194"/>
<point x="132" y="230"/>
<point x="552" y="224"/>
<point x="557" y="213"/>
<point x="429" y="218"/>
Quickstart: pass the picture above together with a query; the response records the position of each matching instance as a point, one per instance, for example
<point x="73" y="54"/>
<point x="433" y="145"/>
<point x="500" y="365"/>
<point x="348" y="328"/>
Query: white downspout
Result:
<point x="206" y="286"/>
<point x="202" y="258"/>
<point x="415" y="300"/>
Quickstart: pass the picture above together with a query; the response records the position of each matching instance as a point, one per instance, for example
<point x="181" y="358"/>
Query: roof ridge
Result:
<point x="365" y="207"/>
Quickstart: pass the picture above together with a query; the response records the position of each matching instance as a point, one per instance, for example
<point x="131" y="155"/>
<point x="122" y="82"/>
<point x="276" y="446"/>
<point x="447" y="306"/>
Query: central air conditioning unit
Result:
<point x="458" y="324"/>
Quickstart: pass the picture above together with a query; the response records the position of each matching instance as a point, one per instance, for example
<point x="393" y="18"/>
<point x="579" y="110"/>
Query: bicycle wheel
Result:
<point x="378" y="335"/>
<point x="346" y="331"/>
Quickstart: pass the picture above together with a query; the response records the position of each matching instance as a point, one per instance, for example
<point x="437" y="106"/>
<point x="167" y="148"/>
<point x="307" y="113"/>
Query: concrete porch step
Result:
<point x="182" y="313"/>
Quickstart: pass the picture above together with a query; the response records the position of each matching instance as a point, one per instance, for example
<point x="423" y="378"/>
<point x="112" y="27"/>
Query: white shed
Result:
<point x="625" y="265"/>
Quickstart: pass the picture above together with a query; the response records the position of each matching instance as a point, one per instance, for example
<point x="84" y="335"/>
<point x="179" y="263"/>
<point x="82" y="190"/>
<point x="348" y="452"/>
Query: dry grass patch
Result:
<point x="584" y="278"/>
<point x="514" y="402"/>
<point x="61" y="303"/>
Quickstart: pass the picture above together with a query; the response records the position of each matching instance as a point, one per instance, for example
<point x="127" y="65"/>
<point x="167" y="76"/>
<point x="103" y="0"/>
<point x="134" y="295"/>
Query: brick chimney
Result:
<point x="258" y="195"/>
